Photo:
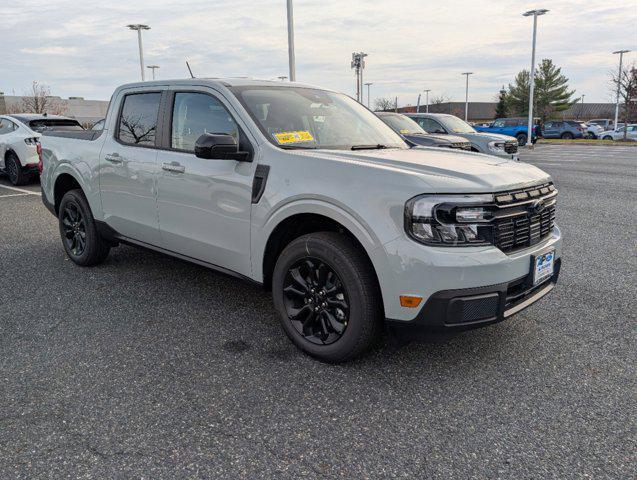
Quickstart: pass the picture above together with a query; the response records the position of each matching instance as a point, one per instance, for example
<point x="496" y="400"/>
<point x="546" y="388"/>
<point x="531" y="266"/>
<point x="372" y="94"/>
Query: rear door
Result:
<point x="204" y="204"/>
<point x="128" y="167"/>
<point x="552" y="129"/>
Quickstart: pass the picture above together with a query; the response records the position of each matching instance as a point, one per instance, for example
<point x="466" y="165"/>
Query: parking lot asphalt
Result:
<point x="149" y="367"/>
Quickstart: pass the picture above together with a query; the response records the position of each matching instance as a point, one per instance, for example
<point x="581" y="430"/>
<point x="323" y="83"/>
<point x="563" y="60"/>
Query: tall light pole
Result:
<point x="581" y="105"/>
<point x="369" y="84"/>
<point x="426" y="100"/>
<point x="466" y="97"/>
<point x="619" y="83"/>
<point x="139" y="27"/>
<point x="535" y="13"/>
<point x="153" y="68"/>
<point x="291" y="58"/>
<point x="358" y="64"/>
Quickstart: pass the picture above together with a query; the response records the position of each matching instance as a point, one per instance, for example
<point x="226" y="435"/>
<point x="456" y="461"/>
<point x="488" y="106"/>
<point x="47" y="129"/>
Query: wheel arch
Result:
<point x="64" y="183"/>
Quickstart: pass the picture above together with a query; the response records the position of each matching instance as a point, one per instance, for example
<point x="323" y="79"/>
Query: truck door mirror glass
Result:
<point x="219" y="146"/>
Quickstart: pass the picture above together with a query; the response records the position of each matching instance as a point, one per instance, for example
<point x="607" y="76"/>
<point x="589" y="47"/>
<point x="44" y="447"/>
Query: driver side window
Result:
<point x="195" y="114"/>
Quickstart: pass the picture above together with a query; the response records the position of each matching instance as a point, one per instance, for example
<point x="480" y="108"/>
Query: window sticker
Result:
<point x="293" y="137"/>
<point x="404" y="131"/>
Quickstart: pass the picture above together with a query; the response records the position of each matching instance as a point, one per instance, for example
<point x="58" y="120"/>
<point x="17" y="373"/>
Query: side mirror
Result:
<point x="219" y="146"/>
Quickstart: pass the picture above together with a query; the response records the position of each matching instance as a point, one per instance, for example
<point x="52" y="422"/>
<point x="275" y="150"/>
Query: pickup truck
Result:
<point x="513" y="127"/>
<point x="306" y="192"/>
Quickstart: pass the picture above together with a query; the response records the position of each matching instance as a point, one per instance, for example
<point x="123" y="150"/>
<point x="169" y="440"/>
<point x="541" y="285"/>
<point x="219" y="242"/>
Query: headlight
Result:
<point x="496" y="146"/>
<point x="450" y="220"/>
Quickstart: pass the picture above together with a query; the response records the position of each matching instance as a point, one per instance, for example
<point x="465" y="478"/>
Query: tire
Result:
<point x="521" y="139"/>
<point x="607" y="137"/>
<point x="80" y="238"/>
<point x="567" y="136"/>
<point x="349" y="288"/>
<point x="14" y="171"/>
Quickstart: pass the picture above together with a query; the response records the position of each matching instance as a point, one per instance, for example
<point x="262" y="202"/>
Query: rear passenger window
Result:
<point x="138" y="121"/>
<point x="195" y="114"/>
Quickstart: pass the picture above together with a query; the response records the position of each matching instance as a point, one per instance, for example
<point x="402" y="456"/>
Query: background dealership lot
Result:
<point x="150" y="367"/>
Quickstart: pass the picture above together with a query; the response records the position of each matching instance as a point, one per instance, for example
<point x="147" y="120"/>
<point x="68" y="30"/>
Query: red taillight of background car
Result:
<point x="39" y="149"/>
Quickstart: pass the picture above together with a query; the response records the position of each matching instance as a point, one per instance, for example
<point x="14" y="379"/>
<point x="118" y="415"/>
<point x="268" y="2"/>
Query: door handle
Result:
<point x="173" y="167"/>
<point x="113" y="158"/>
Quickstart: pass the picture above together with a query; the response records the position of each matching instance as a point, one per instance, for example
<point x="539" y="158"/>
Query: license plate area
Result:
<point x="542" y="266"/>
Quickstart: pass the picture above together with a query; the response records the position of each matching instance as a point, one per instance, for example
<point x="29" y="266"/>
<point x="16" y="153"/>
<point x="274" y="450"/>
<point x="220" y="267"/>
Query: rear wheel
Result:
<point x="521" y="139"/>
<point x="567" y="136"/>
<point x="80" y="238"/>
<point x="327" y="296"/>
<point x="14" y="170"/>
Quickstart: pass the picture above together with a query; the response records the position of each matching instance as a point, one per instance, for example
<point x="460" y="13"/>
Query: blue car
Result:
<point x="513" y="127"/>
<point x="566" y="129"/>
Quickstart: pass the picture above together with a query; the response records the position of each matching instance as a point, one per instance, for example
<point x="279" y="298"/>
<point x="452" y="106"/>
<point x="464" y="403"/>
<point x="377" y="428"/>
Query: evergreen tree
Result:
<point x="502" y="109"/>
<point x="551" y="94"/>
<point x="517" y="98"/>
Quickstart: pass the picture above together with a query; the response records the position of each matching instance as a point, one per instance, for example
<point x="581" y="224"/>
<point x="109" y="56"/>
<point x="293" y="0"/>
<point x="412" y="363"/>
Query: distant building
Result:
<point x="87" y="112"/>
<point x="482" y="112"/>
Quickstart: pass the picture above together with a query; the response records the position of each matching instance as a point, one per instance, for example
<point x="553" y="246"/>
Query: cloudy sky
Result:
<point x="81" y="47"/>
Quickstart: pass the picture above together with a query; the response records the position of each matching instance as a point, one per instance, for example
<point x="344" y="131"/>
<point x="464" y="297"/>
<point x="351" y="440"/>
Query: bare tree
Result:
<point x="627" y="93"/>
<point x="440" y="99"/>
<point x="383" y="104"/>
<point x="38" y="100"/>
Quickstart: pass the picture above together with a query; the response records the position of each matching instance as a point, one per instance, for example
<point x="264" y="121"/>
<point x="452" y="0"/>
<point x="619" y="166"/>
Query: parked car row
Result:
<point x="308" y="193"/>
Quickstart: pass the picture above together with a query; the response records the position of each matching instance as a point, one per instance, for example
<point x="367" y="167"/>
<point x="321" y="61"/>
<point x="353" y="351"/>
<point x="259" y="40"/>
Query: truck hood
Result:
<point x="443" y="170"/>
<point x="489" y="136"/>
<point x="437" y="138"/>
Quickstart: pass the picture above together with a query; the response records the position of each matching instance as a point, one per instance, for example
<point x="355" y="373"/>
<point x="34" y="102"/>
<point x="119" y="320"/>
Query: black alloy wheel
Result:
<point x="521" y="139"/>
<point x="316" y="301"/>
<point x="74" y="228"/>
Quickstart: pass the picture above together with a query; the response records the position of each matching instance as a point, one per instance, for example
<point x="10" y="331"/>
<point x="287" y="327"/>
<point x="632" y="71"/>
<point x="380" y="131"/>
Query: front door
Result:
<point x="128" y="169"/>
<point x="204" y="204"/>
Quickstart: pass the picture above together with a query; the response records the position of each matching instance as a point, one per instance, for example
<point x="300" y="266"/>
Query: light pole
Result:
<point x="153" y="68"/>
<point x="358" y="64"/>
<point x="426" y="100"/>
<point x="139" y="27"/>
<point x="291" y="58"/>
<point x="581" y="105"/>
<point x="369" y="84"/>
<point x="619" y="83"/>
<point x="466" y="97"/>
<point x="535" y="13"/>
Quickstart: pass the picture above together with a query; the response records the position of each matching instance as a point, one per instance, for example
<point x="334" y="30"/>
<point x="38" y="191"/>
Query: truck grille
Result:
<point x="525" y="218"/>
<point x="511" y="147"/>
<point x="461" y="145"/>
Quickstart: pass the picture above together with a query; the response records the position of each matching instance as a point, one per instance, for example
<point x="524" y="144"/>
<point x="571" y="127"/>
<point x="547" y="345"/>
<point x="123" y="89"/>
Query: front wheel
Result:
<point x="521" y="139"/>
<point x="327" y="296"/>
<point x="80" y="238"/>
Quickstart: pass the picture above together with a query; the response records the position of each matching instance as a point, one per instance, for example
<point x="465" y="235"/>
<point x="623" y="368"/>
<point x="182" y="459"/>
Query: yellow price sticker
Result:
<point x="293" y="137"/>
<point x="404" y="131"/>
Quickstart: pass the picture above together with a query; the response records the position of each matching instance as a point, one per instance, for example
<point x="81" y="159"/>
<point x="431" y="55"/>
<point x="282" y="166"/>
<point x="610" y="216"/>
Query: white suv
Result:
<point x="19" y="150"/>
<point x="306" y="192"/>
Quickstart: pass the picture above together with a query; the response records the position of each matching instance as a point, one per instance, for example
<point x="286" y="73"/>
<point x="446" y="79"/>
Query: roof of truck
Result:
<point x="227" y="82"/>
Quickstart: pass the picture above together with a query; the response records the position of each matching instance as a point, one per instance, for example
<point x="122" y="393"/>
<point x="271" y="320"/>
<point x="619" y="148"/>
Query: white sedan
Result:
<point x="20" y="150"/>
<point x="619" y="133"/>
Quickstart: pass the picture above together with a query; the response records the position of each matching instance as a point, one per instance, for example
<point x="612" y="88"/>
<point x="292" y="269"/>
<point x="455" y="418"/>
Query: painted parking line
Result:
<point x="14" y="195"/>
<point x="21" y="190"/>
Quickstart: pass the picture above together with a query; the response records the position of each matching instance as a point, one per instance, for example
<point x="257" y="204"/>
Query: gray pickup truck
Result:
<point x="308" y="193"/>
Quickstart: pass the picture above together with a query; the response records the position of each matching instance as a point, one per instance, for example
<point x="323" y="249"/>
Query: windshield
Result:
<point x="456" y="125"/>
<point x="292" y="117"/>
<point x="402" y="124"/>
<point x="54" y="125"/>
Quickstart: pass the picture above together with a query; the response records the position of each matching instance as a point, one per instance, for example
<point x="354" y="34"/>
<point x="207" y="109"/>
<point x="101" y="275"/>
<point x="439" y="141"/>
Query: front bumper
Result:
<point x="466" y="308"/>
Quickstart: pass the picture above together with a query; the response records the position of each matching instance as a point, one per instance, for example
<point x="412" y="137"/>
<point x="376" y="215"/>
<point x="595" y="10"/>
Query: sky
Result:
<point x="82" y="48"/>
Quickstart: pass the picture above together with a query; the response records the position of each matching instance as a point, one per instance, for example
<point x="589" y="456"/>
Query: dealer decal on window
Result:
<point x="293" y="137"/>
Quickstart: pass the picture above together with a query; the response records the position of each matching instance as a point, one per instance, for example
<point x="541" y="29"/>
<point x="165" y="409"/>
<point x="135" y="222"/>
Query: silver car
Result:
<point x="489" y="143"/>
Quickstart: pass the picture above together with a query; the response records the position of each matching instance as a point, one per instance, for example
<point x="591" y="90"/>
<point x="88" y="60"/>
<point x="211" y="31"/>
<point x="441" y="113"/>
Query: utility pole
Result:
<point x="358" y="64"/>
<point x="153" y="68"/>
<point x="139" y="27"/>
<point x="535" y="13"/>
<point x="466" y="97"/>
<point x="427" y="100"/>
<point x="369" y="84"/>
<point x="619" y="84"/>
<point x="291" y="57"/>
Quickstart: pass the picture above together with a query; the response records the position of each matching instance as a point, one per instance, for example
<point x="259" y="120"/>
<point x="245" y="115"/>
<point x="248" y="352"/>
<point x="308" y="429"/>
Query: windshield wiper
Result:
<point x="297" y="147"/>
<point x="377" y="146"/>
